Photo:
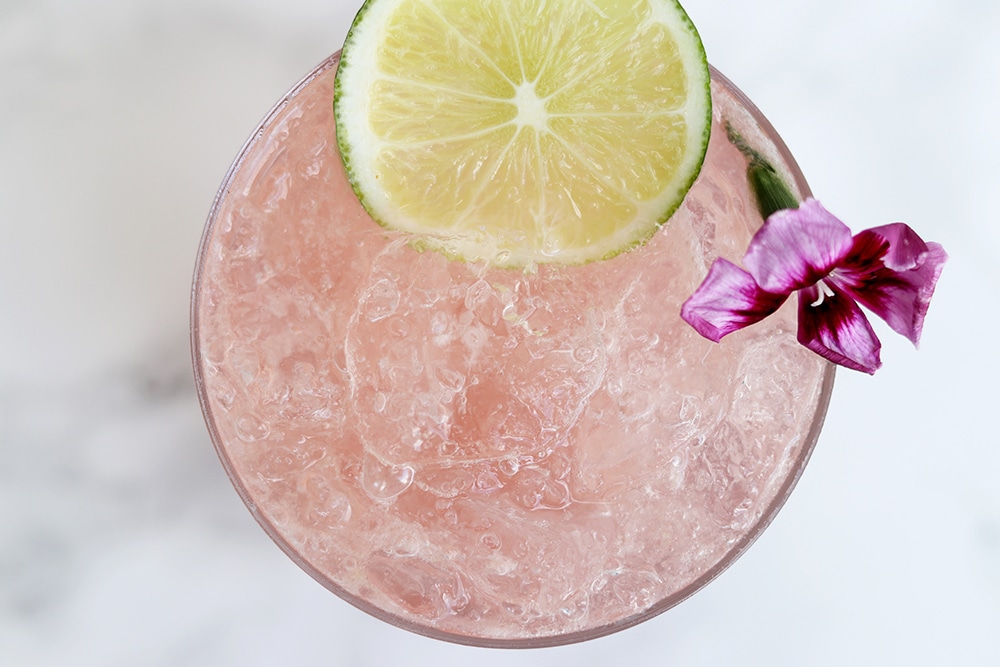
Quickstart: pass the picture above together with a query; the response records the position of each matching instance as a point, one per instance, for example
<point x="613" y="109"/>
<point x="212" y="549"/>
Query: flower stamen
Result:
<point x="824" y="292"/>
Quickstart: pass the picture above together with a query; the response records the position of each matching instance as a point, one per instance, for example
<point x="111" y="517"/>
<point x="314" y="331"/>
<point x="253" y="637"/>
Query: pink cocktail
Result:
<point x="484" y="455"/>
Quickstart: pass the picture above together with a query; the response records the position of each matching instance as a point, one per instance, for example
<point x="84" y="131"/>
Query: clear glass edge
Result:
<point x="731" y="557"/>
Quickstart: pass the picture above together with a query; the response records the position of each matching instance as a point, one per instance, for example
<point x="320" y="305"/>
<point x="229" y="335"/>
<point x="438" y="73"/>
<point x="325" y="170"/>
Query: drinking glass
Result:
<point x="488" y="456"/>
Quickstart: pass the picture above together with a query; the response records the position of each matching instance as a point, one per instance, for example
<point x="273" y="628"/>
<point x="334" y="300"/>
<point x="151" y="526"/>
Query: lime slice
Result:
<point x="519" y="132"/>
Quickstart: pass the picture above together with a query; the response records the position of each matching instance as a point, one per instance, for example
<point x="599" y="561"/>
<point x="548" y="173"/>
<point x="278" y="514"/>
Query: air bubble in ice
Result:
<point x="380" y="300"/>
<point x="474" y="338"/>
<point x="384" y="481"/>
<point x="508" y="466"/>
<point x="451" y="380"/>
<point x="482" y="301"/>
<point x="491" y="541"/>
<point x="251" y="428"/>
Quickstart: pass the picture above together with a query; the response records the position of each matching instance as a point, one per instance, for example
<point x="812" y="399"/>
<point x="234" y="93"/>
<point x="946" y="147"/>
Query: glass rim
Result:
<point x="769" y="513"/>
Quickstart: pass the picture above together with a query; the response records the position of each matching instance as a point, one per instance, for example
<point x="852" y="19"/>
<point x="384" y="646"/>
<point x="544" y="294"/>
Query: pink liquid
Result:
<point x="477" y="454"/>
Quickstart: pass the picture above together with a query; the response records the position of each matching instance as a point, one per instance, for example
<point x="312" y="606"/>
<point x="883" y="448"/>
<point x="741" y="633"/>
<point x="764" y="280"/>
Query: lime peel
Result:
<point x="522" y="132"/>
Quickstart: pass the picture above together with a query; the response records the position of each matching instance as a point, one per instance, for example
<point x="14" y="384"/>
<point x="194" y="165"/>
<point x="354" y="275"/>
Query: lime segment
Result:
<point x="519" y="132"/>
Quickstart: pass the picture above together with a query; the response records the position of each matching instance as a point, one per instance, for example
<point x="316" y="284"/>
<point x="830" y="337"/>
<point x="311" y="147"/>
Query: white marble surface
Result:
<point x="122" y="542"/>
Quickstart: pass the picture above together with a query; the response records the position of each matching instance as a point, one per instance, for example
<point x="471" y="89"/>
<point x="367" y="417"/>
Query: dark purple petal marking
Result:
<point x="804" y="248"/>
<point x="901" y="298"/>
<point x="837" y="330"/>
<point x="796" y="248"/>
<point x="728" y="299"/>
<point x="864" y="260"/>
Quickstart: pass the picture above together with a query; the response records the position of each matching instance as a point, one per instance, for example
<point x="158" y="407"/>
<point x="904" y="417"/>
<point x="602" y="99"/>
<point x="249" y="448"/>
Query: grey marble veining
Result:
<point x="123" y="543"/>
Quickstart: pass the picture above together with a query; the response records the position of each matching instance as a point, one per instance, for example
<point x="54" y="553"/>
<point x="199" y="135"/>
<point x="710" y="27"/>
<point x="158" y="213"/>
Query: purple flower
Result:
<point x="889" y="270"/>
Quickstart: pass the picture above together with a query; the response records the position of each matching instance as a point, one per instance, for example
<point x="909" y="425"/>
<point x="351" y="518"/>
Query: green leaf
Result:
<point x="768" y="187"/>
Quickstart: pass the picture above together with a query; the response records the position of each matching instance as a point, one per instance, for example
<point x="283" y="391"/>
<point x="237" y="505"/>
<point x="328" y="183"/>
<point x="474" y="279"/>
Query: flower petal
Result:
<point x="893" y="272"/>
<point x="797" y="247"/>
<point x="728" y="299"/>
<point x="906" y="248"/>
<point x="837" y="330"/>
